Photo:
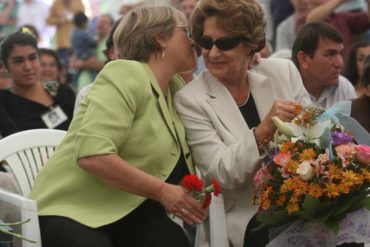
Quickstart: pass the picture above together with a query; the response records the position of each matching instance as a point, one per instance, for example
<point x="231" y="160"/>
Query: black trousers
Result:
<point x="146" y="226"/>
<point x="261" y="238"/>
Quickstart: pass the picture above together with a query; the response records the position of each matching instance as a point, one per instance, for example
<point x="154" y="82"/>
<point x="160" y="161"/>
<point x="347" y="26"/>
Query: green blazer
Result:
<point x="125" y="113"/>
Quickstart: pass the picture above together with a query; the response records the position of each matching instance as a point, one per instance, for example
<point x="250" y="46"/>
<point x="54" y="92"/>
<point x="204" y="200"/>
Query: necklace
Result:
<point x="246" y="100"/>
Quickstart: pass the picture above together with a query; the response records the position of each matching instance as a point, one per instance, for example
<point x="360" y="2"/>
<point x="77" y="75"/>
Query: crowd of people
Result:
<point x="165" y="91"/>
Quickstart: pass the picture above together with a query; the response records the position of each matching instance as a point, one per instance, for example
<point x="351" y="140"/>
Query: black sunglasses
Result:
<point x="223" y="44"/>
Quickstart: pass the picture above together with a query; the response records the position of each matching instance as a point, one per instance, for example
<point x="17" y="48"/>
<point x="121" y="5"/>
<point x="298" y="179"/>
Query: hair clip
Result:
<point x="26" y="30"/>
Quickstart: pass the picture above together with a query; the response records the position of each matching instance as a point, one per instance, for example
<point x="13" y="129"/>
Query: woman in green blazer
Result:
<point x="114" y="177"/>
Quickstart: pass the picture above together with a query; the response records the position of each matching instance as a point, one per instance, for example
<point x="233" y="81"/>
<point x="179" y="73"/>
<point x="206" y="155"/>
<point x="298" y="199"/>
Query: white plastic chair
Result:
<point x="26" y="153"/>
<point x="28" y="210"/>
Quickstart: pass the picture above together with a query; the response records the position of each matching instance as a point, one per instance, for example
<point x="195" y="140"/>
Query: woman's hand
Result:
<point x="286" y="110"/>
<point x="177" y="201"/>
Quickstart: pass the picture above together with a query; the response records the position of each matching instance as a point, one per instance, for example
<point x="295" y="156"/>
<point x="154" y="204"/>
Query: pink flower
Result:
<point x="282" y="158"/>
<point x="363" y="154"/>
<point x="262" y="176"/>
<point x="345" y="152"/>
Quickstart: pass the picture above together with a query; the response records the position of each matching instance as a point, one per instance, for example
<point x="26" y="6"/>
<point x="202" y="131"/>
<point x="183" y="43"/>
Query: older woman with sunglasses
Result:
<point x="227" y="110"/>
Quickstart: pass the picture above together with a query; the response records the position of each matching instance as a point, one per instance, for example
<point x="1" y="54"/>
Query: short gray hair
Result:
<point x="134" y="38"/>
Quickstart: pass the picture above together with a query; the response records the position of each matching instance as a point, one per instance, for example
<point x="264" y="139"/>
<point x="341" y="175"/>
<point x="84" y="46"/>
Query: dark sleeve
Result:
<point x="7" y="125"/>
<point x="65" y="98"/>
<point x="358" y="22"/>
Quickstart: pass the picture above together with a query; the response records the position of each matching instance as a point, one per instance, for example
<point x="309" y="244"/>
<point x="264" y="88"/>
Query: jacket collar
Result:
<point x="225" y="107"/>
<point x="169" y="112"/>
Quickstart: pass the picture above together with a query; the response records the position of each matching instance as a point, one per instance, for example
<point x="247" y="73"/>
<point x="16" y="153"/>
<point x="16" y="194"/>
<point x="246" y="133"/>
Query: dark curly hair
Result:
<point x="236" y="17"/>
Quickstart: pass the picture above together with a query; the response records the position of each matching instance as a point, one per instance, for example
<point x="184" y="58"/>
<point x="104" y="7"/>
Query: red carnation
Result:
<point x="207" y="200"/>
<point x="192" y="183"/>
<point x="216" y="186"/>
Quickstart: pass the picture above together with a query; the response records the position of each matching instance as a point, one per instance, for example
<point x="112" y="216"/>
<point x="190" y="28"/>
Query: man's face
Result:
<point x="187" y="7"/>
<point x="103" y="26"/>
<point x="325" y="66"/>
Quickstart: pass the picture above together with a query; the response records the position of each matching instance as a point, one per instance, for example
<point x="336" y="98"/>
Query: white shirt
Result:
<point x="36" y="13"/>
<point x="343" y="91"/>
<point x="285" y="34"/>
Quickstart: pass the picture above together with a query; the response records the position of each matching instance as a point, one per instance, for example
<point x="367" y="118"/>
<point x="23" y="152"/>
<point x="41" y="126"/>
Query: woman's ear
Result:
<point x="161" y="41"/>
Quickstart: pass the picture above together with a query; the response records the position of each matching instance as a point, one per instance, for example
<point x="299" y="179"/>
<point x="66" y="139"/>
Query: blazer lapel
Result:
<point x="224" y="106"/>
<point x="261" y="91"/>
<point x="161" y="100"/>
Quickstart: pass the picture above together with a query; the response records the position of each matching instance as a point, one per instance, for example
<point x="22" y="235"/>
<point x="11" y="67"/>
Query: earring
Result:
<point x="163" y="55"/>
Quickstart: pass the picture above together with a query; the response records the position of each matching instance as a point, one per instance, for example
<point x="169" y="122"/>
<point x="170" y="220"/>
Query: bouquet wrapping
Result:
<point x="314" y="173"/>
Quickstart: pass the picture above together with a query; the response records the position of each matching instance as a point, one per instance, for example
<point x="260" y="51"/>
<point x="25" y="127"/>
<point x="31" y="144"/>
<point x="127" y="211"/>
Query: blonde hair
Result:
<point x="135" y="36"/>
<point x="236" y="17"/>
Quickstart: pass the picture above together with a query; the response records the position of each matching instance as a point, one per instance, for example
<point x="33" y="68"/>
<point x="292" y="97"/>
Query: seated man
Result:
<point x="317" y="52"/>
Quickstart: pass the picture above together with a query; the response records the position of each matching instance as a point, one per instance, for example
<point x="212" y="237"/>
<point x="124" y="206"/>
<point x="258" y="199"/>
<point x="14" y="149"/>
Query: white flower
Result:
<point x="305" y="170"/>
<point x="296" y="132"/>
<point x="282" y="126"/>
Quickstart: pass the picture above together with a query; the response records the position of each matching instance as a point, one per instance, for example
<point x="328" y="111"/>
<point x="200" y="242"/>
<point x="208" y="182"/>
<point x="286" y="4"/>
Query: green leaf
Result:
<point x="332" y="225"/>
<point x="365" y="202"/>
<point x="312" y="208"/>
<point x="347" y="203"/>
<point x="273" y="217"/>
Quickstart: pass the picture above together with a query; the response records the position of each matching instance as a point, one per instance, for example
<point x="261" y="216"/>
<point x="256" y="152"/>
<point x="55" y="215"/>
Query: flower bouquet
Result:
<point x="313" y="171"/>
<point x="195" y="187"/>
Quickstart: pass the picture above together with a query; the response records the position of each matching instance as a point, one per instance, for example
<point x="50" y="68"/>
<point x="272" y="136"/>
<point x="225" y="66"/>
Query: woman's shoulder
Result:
<point x="197" y="86"/>
<point x="125" y="70"/>
<point x="5" y="91"/>
<point x="127" y="78"/>
<point x="5" y="94"/>
<point x="274" y="64"/>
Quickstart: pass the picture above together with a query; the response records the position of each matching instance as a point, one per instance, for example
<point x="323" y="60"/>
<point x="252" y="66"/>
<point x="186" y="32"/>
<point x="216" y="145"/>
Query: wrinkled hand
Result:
<point x="177" y="201"/>
<point x="286" y="110"/>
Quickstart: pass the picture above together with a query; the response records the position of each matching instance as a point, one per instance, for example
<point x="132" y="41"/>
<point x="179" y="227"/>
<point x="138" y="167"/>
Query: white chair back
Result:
<point x="26" y="153"/>
<point x="28" y="210"/>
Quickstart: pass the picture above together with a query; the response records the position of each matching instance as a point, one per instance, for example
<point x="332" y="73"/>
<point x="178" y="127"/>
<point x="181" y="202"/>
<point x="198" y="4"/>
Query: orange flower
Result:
<point x="266" y="204"/>
<point x="315" y="190"/>
<point x="297" y="109"/>
<point x="281" y="200"/>
<point x="286" y="147"/>
<point x="301" y="186"/>
<point x="334" y="172"/>
<point x="344" y="188"/>
<point x="366" y="174"/>
<point x="288" y="185"/>
<point x="349" y="178"/>
<point x="293" y="207"/>
<point x="265" y="200"/>
<point x="266" y="192"/>
<point x="291" y="167"/>
<point x="307" y="154"/>
<point x="332" y="190"/>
